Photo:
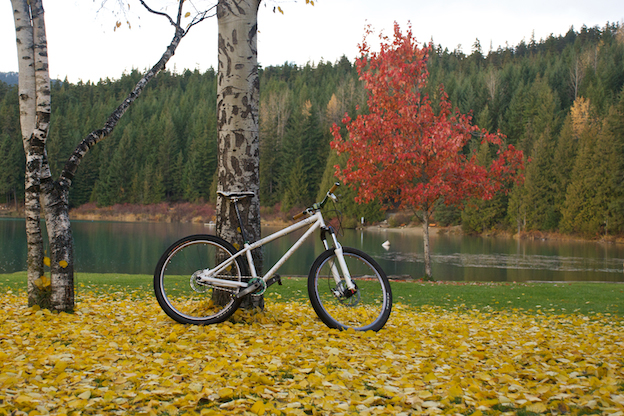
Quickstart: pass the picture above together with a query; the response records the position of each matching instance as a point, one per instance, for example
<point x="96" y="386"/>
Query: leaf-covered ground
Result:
<point x="119" y="355"/>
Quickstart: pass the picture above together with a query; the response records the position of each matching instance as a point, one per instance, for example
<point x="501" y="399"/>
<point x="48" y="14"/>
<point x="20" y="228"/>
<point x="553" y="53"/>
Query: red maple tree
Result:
<point x="403" y="152"/>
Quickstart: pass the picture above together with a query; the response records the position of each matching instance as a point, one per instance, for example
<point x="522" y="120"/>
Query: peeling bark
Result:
<point x="237" y="120"/>
<point x="35" y="107"/>
<point x="34" y="123"/>
<point x="56" y="193"/>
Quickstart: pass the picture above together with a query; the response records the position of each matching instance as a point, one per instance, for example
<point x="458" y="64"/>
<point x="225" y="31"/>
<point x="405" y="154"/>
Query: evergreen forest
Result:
<point x="560" y="100"/>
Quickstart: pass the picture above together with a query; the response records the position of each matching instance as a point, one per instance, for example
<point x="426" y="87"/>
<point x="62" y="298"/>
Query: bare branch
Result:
<point x="178" y="22"/>
<point x="67" y="175"/>
<point x="200" y="17"/>
<point x="149" y="9"/>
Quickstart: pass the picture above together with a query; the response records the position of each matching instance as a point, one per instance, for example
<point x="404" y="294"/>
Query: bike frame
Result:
<point x="314" y="221"/>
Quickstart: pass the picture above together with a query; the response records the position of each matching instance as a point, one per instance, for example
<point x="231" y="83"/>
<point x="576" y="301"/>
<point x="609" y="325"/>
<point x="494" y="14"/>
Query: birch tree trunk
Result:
<point x="34" y="102"/>
<point x="34" y="89"/>
<point x="237" y="119"/>
<point x="56" y="193"/>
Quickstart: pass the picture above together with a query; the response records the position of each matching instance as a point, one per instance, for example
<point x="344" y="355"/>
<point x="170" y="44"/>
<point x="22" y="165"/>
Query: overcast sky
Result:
<point x="83" y="45"/>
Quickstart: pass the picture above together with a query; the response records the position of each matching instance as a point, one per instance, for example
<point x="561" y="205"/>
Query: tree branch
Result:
<point x="149" y="9"/>
<point x="200" y="17"/>
<point x="69" y="171"/>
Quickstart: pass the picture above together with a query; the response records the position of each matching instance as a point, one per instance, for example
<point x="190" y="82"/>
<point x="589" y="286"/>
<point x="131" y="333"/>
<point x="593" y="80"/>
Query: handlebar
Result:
<point x="300" y="215"/>
<point x="318" y="205"/>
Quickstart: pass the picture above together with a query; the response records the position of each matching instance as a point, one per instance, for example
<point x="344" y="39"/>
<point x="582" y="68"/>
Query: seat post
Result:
<point x="240" y="222"/>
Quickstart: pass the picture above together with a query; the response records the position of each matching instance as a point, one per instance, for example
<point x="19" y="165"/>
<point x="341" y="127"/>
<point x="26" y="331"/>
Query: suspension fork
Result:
<point x="341" y="261"/>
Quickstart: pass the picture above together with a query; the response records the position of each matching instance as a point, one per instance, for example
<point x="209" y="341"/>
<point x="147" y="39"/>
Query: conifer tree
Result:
<point x="508" y="92"/>
<point x="579" y="214"/>
<point x="564" y="155"/>
<point x="540" y="185"/>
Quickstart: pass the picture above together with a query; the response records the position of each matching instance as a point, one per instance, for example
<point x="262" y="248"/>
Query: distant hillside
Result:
<point x="559" y="100"/>
<point x="9" y="77"/>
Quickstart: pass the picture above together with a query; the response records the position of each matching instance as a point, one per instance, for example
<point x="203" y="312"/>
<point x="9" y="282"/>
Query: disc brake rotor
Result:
<point x="350" y="301"/>
<point x="196" y="284"/>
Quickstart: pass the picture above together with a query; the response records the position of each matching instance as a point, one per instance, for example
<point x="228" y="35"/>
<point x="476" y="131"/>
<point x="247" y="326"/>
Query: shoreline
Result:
<point x="205" y="214"/>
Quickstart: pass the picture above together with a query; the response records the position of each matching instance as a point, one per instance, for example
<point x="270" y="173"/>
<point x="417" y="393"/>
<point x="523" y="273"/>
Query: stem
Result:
<point x="426" y="244"/>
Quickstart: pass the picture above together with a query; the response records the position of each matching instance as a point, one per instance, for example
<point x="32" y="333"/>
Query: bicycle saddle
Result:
<point x="232" y="195"/>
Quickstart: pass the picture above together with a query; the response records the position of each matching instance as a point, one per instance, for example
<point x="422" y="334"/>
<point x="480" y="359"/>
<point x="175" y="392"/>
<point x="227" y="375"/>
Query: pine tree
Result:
<point x="520" y="94"/>
<point x="295" y="186"/>
<point x="564" y="155"/>
<point x="199" y="170"/>
<point x="579" y="213"/>
<point x="610" y="146"/>
<point x="168" y="149"/>
<point x="153" y="185"/>
<point x="115" y="186"/>
<point x="11" y="175"/>
<point x="352" y="211"/>
<point x="275" y="113"/>
<point x="540" y="185"/>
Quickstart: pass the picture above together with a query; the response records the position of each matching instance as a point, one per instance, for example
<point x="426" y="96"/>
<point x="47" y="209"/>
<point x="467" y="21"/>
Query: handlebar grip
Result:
<point x="333" y="188"/>
<point x="298" y="216"/>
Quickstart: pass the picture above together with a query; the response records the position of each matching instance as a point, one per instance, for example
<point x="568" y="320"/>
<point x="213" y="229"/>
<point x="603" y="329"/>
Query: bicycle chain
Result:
<point x="225" y="289"/>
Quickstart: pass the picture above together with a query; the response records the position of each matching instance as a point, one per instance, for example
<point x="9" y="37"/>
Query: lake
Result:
<point x="134" y="248"/>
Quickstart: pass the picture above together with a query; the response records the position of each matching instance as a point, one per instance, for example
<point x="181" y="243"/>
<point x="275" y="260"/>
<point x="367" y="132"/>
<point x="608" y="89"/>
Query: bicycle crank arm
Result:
<point x="253" y="287"/>
<point x="258" y="285"/>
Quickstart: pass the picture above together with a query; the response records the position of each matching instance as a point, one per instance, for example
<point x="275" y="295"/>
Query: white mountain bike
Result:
<point x="202" y="279"/>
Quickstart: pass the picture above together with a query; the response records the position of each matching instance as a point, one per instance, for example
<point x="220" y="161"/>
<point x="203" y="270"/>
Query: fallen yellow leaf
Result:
<point x="258" y="408"/>
<point x="119" y="351"/>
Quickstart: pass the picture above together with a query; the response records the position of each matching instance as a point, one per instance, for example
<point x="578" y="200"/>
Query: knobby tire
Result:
<point x="181" y="296"/>
<point x="368" y="309"/>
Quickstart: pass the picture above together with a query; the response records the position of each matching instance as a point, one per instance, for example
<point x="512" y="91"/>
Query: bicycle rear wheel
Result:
<point x="182" y="295"/>
<point x="367" y="309"/>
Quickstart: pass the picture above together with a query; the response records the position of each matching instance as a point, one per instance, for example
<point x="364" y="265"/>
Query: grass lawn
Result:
<point x="553" y="298"/>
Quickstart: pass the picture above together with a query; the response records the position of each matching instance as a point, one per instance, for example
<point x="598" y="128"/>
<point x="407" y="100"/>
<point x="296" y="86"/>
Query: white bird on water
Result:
<point x="386" y="245"/>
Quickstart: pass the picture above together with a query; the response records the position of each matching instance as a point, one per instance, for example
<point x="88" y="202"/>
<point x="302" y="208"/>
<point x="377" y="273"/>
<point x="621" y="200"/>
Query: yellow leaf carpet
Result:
<point x="121" y="355"/>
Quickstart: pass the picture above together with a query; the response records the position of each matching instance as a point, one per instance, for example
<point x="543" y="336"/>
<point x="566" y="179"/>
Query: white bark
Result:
<point x="577" y="73"/>
<point x="28" y="28"/>
<point x="35" y="119"/>
<point x="56" y="193"/>
<point x="25" y="51"/>
<point x="237" y="117"/>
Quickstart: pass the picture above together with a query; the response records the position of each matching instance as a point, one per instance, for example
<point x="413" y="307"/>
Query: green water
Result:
<point x="116" y="247"/>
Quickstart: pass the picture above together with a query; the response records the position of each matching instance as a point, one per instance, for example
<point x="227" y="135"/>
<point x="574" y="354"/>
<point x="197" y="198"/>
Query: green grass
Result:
<point x="553" y="298"/>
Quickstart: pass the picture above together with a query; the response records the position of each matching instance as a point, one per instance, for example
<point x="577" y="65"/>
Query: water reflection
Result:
<point x="136" y="247"/>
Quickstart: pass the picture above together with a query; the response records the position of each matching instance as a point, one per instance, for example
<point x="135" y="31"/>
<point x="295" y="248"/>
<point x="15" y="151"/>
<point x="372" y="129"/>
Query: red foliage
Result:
<point x="402" y="150"/>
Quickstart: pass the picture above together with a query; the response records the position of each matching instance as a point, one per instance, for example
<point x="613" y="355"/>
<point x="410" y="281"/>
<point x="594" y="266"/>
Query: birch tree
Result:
<point x="42" y="191"/>
<point x="238" y="94"/>
<point x="238" y="97"/>
<point x="34" y="102"/>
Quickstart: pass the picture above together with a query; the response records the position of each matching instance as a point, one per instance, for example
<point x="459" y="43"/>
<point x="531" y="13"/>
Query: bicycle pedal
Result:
<point x="274" y="279"/>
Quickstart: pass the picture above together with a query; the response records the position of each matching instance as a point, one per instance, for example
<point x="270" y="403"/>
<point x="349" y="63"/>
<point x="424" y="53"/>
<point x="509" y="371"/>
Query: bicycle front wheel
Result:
<point x="180" y="292"/>
<point x="367" y="309"/>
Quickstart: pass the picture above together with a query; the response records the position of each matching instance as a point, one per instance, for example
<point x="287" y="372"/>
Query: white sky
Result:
<point x="83" y="46"/>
